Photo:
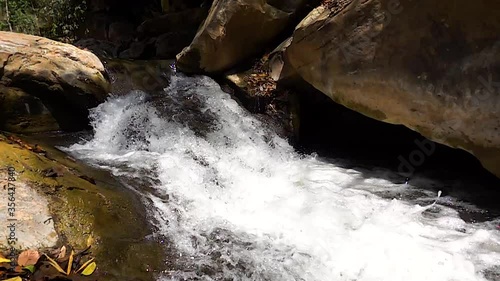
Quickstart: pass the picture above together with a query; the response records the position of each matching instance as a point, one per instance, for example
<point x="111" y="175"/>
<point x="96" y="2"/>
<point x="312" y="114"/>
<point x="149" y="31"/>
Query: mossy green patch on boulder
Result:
<point x="83" y="202"/>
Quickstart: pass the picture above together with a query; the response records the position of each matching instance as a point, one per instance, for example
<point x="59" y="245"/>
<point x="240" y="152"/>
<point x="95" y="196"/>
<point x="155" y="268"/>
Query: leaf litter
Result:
<point x="53" y="264"/>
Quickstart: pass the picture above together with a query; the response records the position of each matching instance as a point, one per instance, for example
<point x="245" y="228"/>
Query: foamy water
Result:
<point x="237" y="203"/>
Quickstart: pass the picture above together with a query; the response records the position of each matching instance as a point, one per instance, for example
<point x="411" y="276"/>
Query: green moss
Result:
<point x="113" y="215"/>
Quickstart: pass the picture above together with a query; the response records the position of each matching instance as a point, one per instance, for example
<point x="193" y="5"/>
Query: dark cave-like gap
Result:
<point x="332" y="130"/>
<point x="335" y="132"/>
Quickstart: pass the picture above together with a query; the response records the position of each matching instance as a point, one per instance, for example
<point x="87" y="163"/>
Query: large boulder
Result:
<point x="66" y="80"/>
<point x="431" y="66"/>
<point x="235" y="30"/>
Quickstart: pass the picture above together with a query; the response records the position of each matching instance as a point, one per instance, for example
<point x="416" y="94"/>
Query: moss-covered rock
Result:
<point x="81" y="202"/>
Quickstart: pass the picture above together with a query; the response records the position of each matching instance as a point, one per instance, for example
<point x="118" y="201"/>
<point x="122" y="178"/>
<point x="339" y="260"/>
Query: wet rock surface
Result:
<point x="63" y="202"/>
<point x="22" y="112"/>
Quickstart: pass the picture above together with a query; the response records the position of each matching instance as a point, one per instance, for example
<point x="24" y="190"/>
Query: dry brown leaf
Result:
<point x="70" y="262"/>
<point x="55" y="265"/>
<point x="38" y="149"/>
<point x="18" y="269"/>
<point x="28" y="257"/>
<point x="27" y="146"/>
<point x="62" y="253"/>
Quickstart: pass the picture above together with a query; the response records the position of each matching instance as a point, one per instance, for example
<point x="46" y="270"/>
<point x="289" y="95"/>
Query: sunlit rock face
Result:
<point x="433" y="67"/>
<point x="60" y="77"/>
<point x="234" y="31"/>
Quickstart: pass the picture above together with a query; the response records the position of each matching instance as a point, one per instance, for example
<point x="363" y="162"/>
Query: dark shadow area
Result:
<point x="352" y="140"/>
<point x="333" y="130"/>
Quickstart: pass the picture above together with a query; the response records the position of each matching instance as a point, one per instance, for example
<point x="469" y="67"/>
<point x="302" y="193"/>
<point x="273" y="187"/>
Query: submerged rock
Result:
<point x="258" y="94"/>
<point x="64" y="79"/>
<point x="433" y="67"/>
<point x="235" y="30"/>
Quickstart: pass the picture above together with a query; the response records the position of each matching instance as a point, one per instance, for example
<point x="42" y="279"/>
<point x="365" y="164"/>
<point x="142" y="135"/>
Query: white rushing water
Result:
<point x="237" y="203"/>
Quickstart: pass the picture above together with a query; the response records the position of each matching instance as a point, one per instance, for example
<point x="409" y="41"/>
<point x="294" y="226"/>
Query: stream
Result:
<point x="234" y="201"/>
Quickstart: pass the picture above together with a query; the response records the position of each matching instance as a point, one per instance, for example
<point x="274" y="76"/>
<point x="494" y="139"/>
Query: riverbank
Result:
<point x="61" y="201"/>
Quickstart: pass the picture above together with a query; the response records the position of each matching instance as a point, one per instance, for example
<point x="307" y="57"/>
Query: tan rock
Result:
<point x="431" y="66"/>
<point x="67" y="80"/>
<point x="235" y="30"/>
<point x="27" y="221"/>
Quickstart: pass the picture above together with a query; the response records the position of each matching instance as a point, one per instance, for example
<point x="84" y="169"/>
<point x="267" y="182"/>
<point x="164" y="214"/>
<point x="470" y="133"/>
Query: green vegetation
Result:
<point x="56" y="19"/>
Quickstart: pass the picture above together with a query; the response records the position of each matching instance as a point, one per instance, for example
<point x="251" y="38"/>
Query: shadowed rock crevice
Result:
<point x="332" y="130"/>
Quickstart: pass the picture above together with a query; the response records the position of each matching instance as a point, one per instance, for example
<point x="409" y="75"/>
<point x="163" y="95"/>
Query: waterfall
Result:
<point x="236" y="202"/>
